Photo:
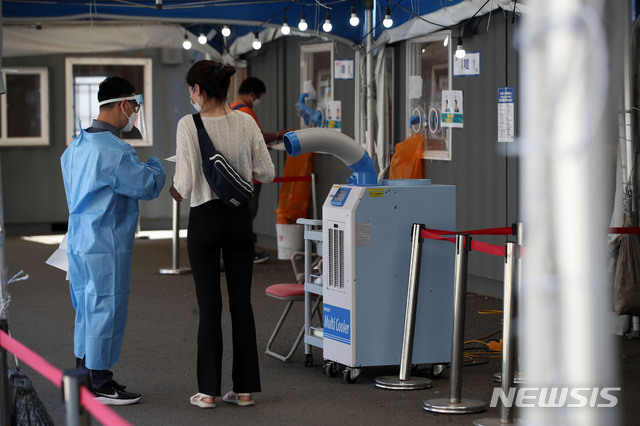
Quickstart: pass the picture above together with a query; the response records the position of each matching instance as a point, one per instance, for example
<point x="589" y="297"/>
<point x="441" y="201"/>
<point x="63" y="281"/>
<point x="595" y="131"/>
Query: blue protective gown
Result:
<point x="103" y="181"/>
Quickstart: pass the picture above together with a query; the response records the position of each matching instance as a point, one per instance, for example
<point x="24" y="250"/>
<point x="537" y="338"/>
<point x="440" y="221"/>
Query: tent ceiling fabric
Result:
<point x="28" y="41"/>
<point x="248" y="16"/>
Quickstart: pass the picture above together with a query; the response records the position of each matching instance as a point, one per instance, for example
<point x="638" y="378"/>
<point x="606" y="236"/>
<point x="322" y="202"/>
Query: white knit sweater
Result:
<point x="236" y="136"/>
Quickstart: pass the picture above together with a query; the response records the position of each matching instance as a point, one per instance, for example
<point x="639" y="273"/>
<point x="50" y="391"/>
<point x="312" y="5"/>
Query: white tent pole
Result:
<point x="569" y="129"/>
<point x="629" y="112"/>
<point x="628" y="94"/>
<point x="369" y="64"/>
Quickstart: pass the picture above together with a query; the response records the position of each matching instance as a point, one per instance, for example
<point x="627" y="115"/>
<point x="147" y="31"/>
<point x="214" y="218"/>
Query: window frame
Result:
<point x="146" y="63"/>
<point x="44" y="138"/>
<point x="433" y="109"/>
<point x="304" y="69"/>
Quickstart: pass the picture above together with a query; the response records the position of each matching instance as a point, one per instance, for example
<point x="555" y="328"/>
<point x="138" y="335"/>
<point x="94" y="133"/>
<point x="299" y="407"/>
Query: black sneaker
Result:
<point x="112" y="395"/>
<point x="117" y="386"/>
<point x="261" y="257"/>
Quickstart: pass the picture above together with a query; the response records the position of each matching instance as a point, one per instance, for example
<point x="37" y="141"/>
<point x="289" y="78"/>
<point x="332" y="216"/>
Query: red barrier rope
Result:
<point x="505" y="230"/>
<point x="100" y="412"/>
<point x="31" y="358"/>
<point x="288" y="179"/>
<point x="436" y="234"/>
<point x="625" y="230"/>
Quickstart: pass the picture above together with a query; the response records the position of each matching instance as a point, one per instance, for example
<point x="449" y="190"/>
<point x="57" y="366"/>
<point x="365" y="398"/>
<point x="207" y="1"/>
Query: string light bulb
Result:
<point x="327" y="27"/>
<point x="202" y="39"/>
<point x="286" y="29"/>
<point x="302" y="25"/>
<point x="186" y="44"/>
<point x="446" y="41"/>
<point x="226" y="31"/>
<point x="354" y="20"/>
<point x="256" y="42"/>
<point x="460" y="52"/>
<point x="387" y="21"/>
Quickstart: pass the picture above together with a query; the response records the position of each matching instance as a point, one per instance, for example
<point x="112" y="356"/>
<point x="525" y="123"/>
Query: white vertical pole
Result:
<point x="569" y="129"/>
<point x="370" y="113"/>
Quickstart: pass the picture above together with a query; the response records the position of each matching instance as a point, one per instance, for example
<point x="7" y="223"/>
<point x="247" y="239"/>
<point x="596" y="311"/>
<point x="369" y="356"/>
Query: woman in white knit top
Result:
<point x="214" y="228"/>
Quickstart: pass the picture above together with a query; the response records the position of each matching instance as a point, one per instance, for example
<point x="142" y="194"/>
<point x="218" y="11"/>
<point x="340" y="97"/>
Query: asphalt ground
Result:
<point x="159" y="353"/>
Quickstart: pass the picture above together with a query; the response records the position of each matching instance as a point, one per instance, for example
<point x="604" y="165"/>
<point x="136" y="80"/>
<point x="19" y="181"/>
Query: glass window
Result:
<point x="316" y="79"/>
<point x="83" y="79"/>
<point x="429" y="73"/>
<point x="24" y="112"/>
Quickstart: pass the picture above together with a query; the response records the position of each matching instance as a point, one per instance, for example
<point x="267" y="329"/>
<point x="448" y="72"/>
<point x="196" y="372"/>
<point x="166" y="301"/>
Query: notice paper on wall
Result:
<point x="467" y="66"/>
<point x="333" y="120"/>
<point x="343" y="69"/>
<point x="505" y="114"/>
<point x="452" y="108"/>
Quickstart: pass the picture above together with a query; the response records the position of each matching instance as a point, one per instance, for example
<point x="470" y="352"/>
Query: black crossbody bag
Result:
<point x="225" y="181"/>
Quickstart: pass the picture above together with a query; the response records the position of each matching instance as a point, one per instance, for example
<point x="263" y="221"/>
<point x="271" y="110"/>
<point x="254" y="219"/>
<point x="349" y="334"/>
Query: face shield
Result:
<point x="135" y="105"/>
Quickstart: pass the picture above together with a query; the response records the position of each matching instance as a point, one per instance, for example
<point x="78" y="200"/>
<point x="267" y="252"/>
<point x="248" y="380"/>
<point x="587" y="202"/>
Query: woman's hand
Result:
<point x="175" y="194"/>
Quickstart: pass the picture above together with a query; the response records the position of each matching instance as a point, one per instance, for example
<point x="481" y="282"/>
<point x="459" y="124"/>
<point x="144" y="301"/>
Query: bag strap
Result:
<point x="238" y="106"/>
<point x="207" y="150"/>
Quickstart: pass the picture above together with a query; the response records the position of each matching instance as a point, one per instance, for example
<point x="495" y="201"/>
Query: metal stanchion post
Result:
<point x="518" y="378"/>
<point x="405" y="381"/>
<point x="455" y="404"/>
<point x="71" y="382"/>
<point x="508" y="339"/>
<point x="4" y="379"/>
<point x="175" y="269"/>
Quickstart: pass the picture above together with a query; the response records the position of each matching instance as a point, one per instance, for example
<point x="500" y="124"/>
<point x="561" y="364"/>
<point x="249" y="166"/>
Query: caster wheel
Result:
<point x="308" y="360"/>
<point x="436" y="370"/>
<point x="350" y="375"/>
<point x="330" y="369"/>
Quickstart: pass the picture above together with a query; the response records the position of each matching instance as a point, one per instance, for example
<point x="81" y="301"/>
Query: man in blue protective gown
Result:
<point x="103" y="181"/>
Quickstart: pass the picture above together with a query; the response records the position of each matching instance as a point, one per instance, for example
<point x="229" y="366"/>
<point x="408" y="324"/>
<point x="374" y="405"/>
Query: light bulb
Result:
<point x="226" y="31"/>
<point x="354" y="20"/>
<point x="446" y="41"/>
<point x="387" y="22"/>
<point x="202" y="39"/>
<point x="256" y="42"/>
<point x="327" y="27"/>
<point x="186" y="43"/>
<point x="286" y="29"/>
<point x="460" y="52"/>
<point x="302" y="25"/>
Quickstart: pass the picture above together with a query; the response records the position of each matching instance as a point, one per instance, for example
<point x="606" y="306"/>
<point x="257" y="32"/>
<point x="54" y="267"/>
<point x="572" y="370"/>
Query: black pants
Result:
<point x="213" y="227"/>
<point x="97" y="378"/>
<point x="255" y="200"/>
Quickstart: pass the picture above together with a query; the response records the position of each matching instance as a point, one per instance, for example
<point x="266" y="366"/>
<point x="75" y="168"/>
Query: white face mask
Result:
<point x="256" y="102"/>
<point x="195" y="105"/>
<point x="132" y="120"/>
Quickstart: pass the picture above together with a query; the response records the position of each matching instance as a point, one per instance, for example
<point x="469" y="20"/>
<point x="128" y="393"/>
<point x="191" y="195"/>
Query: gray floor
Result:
<point x="158" y="357"/>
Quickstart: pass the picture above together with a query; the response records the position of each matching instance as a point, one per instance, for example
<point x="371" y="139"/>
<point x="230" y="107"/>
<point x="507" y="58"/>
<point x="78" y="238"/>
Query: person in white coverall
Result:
<point x="103" y="181"/>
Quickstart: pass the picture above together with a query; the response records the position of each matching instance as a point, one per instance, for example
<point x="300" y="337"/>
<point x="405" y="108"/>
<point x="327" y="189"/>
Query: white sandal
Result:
<point x="198" y="400"/>
<point x="234" y="398"/>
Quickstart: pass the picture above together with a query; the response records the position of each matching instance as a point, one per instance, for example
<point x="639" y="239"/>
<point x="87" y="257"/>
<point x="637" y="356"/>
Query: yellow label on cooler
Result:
<point x="375" y="193"/>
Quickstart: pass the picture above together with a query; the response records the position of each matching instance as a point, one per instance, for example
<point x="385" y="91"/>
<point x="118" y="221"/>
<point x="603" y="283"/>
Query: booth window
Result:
<point x="24" y="109"/>
<point x="316" y="79"/>
<point x="428" y="75"/>
<point x="83" y="77"/>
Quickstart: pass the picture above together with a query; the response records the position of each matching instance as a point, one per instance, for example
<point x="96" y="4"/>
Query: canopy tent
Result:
<point x="33" y="27"/>
<point x="243" y="17"/>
